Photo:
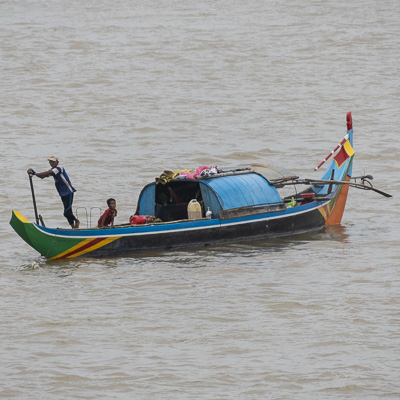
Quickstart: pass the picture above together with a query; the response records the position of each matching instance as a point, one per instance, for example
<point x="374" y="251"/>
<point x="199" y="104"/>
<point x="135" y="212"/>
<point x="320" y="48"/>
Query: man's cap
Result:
<point x="53" y="157"/>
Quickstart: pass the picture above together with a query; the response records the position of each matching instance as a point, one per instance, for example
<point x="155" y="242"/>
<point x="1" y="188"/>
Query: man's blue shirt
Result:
<point x="62" y="182"/>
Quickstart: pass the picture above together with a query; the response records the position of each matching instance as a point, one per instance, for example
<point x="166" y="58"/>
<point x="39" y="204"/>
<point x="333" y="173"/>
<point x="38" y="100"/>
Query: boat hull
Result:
<point x="61" y="243"/>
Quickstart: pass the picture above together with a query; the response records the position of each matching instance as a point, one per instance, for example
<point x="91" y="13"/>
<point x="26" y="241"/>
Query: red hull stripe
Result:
<point x="85" y="247"/>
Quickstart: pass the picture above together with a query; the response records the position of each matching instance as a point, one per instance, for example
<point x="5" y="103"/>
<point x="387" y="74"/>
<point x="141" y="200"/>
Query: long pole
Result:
<point x="33" y="199"/>
<point x="356" y="185"/>
<point x="324" y="182"/>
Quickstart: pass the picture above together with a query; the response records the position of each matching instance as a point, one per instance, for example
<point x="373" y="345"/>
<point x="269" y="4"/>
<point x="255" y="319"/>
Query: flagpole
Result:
<point x="332" y="152"/>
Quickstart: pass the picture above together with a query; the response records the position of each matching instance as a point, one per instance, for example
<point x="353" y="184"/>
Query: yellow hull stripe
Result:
<point x="85" y="247"/>
<point x="21" y="217"/>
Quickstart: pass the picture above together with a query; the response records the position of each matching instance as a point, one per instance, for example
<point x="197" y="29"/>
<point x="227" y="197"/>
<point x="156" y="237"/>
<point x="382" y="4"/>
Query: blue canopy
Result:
<point x="236" y="191"/>
<point x="222" y="193"/>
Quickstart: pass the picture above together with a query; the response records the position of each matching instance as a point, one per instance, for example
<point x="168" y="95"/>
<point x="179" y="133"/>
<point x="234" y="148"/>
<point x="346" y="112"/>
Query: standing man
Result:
<point x="63" y="186"/>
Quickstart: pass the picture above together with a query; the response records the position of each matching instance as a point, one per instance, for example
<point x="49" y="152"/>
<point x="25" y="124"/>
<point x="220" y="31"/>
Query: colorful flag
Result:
<point x="344" y="153"/>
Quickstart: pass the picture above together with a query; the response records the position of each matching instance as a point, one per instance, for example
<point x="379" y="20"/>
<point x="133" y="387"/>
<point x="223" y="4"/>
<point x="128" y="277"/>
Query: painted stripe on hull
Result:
<point x="154" y="230"/>
<point x="335" y="218"/>
<point x="86" y="246"/>
<point x="160" y="229"/>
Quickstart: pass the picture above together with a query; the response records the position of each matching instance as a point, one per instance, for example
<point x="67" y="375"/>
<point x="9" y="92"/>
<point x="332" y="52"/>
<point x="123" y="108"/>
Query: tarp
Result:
<point x="222" y="193"/>
<point x="240" y="190"/>
<point x="147" y="200"/>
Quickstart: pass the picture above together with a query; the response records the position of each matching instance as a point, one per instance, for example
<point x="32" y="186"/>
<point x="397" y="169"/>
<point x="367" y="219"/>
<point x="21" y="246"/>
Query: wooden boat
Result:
<point x="245" y="203"/>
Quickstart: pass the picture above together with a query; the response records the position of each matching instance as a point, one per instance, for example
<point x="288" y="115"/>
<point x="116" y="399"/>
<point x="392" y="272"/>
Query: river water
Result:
<point x="122" y="90"/>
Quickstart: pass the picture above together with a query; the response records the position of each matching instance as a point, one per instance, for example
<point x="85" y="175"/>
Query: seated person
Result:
<point x="174" y="198"/>
<point x="108" y="216"/>
<point x="141" y="219"/>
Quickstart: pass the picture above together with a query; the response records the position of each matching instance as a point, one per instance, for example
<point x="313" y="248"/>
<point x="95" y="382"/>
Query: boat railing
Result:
<point x="88" y="216"/>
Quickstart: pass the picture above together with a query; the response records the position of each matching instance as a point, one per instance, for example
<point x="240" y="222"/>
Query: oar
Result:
<point x="33" y="199"/>
<point x="356" y="185"/>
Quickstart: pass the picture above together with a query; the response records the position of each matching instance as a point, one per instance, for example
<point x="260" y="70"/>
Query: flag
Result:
<point x="344" y="153"/>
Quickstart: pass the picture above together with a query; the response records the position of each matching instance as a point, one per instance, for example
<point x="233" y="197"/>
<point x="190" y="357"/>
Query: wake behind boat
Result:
<point x="195" y="208"/>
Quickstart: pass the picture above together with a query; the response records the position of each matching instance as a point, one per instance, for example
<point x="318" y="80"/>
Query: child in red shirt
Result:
<point x="108" y="216"/>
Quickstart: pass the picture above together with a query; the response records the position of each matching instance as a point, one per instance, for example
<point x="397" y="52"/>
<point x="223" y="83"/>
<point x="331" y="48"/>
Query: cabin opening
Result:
<point x="172" y="199"/>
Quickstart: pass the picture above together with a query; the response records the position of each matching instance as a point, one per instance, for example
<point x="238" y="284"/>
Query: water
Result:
<point x="123" y="90"/>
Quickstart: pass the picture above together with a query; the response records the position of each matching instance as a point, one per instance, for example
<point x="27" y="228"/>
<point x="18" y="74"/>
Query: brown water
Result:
<point x="123" y="90"/>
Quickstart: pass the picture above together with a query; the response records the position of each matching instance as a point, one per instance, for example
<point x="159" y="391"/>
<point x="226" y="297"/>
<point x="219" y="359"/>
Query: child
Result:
<point x="108" y="216"/>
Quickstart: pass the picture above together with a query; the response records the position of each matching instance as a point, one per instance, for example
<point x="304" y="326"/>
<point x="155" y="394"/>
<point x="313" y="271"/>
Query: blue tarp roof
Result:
<point x="222" y="193"/>
<point x="241" y="190"/>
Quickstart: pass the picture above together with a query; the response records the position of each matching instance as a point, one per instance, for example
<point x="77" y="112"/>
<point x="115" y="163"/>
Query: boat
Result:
<point x="214" y="206"/>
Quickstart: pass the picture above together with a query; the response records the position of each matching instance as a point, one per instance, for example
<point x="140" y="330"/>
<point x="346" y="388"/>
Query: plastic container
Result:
<point x="208" y="213"/>
<point x="308" y="197"/>
<point x="194" y="209"/>
<point x="292" y="203"/>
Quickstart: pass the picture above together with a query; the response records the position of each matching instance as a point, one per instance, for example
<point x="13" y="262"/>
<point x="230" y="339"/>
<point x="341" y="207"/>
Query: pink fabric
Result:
<point x="192" y="175"/>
